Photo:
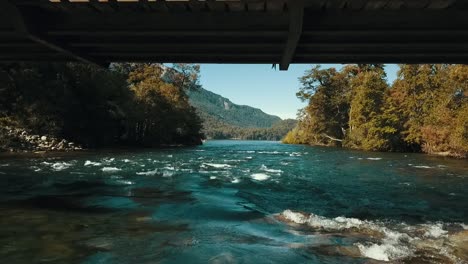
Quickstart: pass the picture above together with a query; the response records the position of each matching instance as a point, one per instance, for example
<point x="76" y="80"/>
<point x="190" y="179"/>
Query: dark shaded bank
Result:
<point x="70" y="106"/>
<point x="20" y="141"/>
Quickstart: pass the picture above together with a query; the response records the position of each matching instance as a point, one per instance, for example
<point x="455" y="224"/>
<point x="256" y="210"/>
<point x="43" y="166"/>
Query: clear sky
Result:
<point x="260" y="86"/>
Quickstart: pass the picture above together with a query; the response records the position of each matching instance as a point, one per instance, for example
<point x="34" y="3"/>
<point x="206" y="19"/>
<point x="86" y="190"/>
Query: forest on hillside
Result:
<point x="127" y="105"/>
<point x="424" y="110"/>
<point x="223" y="119"/>
<point x="228" y="112"/>
<point x="214" y="128"/>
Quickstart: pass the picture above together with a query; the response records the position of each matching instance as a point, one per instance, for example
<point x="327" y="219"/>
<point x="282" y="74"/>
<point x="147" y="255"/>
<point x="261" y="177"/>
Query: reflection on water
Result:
<point x="234" y="202"/>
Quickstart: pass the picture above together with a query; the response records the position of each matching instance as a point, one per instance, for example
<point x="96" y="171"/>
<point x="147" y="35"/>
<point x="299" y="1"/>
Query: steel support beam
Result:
<point x="296" y="19"/>
<point x="23" y="29"/>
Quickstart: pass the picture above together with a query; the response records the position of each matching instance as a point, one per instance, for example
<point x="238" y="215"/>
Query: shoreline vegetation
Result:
<point x="424" y="110"/>
<point x="74" y="106"/>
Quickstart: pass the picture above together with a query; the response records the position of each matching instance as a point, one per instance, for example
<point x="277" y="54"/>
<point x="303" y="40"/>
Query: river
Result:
<point x="234" y="202"/>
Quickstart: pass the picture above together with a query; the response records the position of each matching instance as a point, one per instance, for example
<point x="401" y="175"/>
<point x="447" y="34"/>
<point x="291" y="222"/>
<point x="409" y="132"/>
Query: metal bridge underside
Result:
<point x="237" y="31"/>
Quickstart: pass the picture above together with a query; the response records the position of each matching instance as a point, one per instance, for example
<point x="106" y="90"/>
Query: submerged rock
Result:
<point x="382" y="241"/>
<point x="349" y="251"/>
<point x="56" y="251"/>
<point x="222" y="258"/>
<point x="100" y="244"/>
<point x="459" y="241"/>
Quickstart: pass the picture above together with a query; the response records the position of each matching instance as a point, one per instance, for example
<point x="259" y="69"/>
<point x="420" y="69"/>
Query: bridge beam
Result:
<point x="296" y="19"/>
<point x="22" y="28"/>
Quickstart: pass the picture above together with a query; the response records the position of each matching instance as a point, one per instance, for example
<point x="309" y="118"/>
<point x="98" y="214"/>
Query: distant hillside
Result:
<point x="225" y="111"/>
<point x="223" y="119"/>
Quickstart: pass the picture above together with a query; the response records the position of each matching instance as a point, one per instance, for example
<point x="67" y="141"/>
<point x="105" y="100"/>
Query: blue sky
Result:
<point x="260" y="86"/>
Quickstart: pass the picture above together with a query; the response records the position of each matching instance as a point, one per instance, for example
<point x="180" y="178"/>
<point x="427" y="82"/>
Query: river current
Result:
<point x="234" y="202"/>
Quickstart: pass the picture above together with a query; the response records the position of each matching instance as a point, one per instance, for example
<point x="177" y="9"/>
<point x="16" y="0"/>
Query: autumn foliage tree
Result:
<point x="424" y="110"/>
<point x="129" y="104"/>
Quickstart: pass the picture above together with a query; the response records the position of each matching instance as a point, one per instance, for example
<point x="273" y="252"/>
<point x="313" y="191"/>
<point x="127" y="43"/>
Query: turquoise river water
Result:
<point x="234" y="202"/>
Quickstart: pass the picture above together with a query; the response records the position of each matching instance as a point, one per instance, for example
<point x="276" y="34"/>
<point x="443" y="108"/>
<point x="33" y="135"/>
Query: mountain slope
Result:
<point x="223" y="119"/>
<point x="223" y="110"/>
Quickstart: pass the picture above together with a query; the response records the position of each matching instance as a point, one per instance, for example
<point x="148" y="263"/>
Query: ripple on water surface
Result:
<point x="234" y="202"/>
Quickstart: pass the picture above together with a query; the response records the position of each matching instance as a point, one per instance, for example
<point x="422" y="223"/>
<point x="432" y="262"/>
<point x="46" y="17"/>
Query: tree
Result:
<point x="368" y="127"/>
<point x="130" y="104"/>
<point x="424" y="110"/>
<point x="325" y="119"/>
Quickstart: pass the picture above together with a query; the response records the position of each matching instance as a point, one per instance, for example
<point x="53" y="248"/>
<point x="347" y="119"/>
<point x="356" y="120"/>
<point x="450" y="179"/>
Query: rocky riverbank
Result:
<point x="20" y="140"/>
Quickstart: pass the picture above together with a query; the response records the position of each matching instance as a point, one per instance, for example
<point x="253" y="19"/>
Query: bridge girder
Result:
<point x="244" y="31"/>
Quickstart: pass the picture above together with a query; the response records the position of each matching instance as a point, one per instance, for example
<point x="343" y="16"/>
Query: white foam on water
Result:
<point x="58" y="166"/>
<point x="260" y="176"/>
<point x="394" y="241"/>
<point x="160" y="161"/>
<point x="169" y="156"/>
<point x="110" y="169"/>
<point x="383" y="252"/>
<point x="35" y="168"/>
<point x="374" y="158"/>
<point x="421" y="166"/>
<point x="270" y="152"/>
<point x="316" y="221"/>
<point x="235" y="180"/>
<point x="232" y="160"/>
<point x="246" y="151"/>
<point x="92" y="163"/>
<point x="217" y="165"/>
<point x="126" y="160"/>
<point x="212" y="177"/>
<point x="124" y="182"/>
<point x="295" y="217"/>
<point x="394" y="245"/>
<point x="248" y="158"/>
<point x="148" y="173"/>
<point x="168" y="173"/>
<point x="169" y="168"/>
<point x="265" y="168"/>
<point x="108" y="160"/>
<point x="435" y="231"/>
<point x="211" y="171"/>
